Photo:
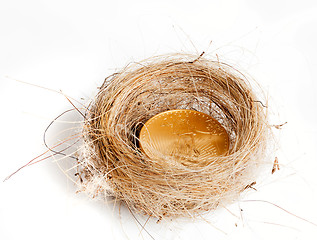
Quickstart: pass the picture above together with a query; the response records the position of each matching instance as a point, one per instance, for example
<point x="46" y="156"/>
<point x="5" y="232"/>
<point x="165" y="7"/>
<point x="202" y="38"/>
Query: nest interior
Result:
<point x="114" y="164"/>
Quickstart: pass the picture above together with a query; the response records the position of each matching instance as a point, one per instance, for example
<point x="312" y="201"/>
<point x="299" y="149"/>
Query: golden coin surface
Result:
<point x="184" y="135"/>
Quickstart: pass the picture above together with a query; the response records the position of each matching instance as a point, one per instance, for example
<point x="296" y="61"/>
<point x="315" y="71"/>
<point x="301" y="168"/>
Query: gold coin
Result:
<point x="184" y="135"/>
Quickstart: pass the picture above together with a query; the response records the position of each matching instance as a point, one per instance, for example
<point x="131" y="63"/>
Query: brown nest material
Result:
<point x="114" y="164"/>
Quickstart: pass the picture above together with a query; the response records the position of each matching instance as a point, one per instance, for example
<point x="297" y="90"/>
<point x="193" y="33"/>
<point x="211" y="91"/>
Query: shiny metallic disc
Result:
<point x="184" y="135"/>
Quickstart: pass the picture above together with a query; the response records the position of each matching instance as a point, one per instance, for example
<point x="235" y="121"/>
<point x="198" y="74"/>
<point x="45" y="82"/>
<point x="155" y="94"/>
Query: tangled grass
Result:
<point x="113" y="163"/>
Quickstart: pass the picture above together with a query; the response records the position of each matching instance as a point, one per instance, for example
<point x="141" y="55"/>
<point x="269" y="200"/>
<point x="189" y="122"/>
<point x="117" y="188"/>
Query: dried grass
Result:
<point x="113" y="163"/>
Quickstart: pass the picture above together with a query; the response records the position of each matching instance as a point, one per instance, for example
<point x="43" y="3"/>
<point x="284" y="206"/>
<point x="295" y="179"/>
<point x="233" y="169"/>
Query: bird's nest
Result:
<point x="113" y="163"/>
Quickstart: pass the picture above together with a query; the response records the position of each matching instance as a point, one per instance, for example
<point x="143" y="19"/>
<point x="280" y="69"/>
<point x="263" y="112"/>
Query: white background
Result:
<point x="73" y="45"/>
